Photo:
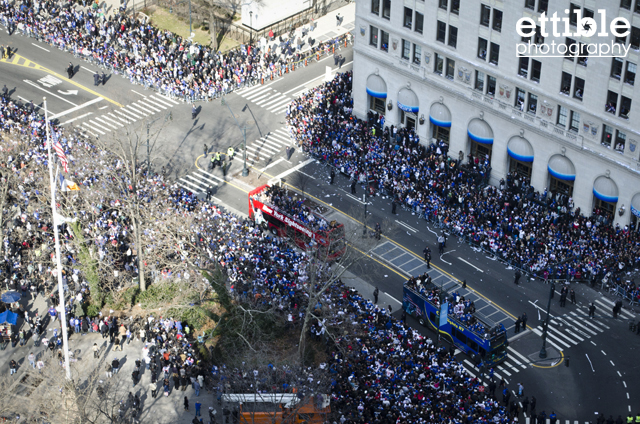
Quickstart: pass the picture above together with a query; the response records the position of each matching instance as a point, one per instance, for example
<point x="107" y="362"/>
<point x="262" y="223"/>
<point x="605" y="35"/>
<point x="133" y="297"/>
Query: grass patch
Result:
<point x="165" y="20"/>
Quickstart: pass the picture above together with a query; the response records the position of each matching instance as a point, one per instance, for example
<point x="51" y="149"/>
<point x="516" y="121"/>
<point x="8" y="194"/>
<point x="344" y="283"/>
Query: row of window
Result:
<point x="494" y="51"/>
<point x="628" y="4"/>
<point x="485" y="17"/>
<point x="543" y="5"/>
<point x="416" y="24"/>
<point x="607" y="138"/>
<point x="455" y="5"/>
<point x="386" y="8"/>
<point x="441" y="34"/>
<point x="630" y="69"/>
<point x="379" y="38"/>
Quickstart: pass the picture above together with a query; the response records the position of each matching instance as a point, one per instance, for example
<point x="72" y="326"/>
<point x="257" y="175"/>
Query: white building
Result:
<point x="450" y="68"/>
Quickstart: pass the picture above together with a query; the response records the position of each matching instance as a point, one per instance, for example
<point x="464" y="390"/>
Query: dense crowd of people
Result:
<point x="145" y="54"/>
<point x="294" y="206"/>
<point x="511" y="221"/>
<point x="373" y="373"/>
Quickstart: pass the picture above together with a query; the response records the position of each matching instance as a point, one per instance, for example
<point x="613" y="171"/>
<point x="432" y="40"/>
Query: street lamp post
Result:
<point x="243" y="129"/>
<point x="364" y="221"/>
<point x="250" y="27"/>
<point x="543" y="350"/>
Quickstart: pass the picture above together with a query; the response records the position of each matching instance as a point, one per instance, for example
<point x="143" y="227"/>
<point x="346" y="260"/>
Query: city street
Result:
<point x="600" y="351"/>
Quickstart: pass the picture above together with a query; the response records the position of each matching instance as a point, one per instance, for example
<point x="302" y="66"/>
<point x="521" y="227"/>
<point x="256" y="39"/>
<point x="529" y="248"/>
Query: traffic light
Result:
<point x="566" y="362"/>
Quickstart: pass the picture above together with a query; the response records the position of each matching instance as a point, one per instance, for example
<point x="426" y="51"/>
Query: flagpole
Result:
<point x="63" y="313"/>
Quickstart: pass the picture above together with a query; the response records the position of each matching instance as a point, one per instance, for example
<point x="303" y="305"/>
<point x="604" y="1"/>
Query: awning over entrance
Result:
<point x="376" y="87"/>
<point x="520" y="149"/>
<point x="439" y="115"/>
<point x="605" y="189"/>
<point x="408" y="100"/>
<point x="635" y="205"/>
<point x="479" y="131"/>
<point x="561" y="168"/>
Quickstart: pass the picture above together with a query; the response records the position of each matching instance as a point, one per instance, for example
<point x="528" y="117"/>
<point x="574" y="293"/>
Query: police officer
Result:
<point x="427" y="256"/>
<point x="333" y="175"/>
<point x="103" y="78"/>
<point x="70" y="70"/>
<point x="2" y="52"/>
<point x="592" y="310"/>
<point x="230" y="152"/>
<point x="394" y="204"/>
<point x="517" y="277"/>
<point x="353" y="186"/>
<point x="96" y="79"/>
<point x="378" y="231"/>
<point x="194" y="111"/>
<point x="375" y="295"/>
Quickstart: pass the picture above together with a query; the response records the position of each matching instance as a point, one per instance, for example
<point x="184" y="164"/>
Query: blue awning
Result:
<point x="635" y="205"/>
<point x="376" y="87"/>
<point x="408" y="100"/>
<point x="520" y="149"/>
<point x="480" y="132"/>
<point x="8" y="317"/>
<point x="605" y="189"/>
<point x="562" y="168"/>
<point x="439" y="115"/>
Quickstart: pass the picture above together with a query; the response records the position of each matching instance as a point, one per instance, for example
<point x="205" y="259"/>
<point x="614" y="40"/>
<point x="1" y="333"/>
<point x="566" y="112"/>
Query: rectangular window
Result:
<point x="482" y="48"/>
<point x="519" y="100"/>
<point x="438" y="64"/>
<point x="373" y="36"/>
<point x="574" y="124"/>
<point x="453" y="36"/>
<point x="634" y="42"/>
<point x="386" y="9"/>
<point x="441" y="33"/>
<point x="455" y="6"/>
<point x="578" y="88"/>
<point x="573" y="18"/>
<point x="637" y="7"/>
<point x="621" y="140"/>
<point x="563" y="113"/>
<point x="530" y="4"/>
<point x="565" y="84"/>
<point x="616" y="68"/>
<point x="523" y="66"/>
<point x="570" y="42"/>
<point x="406" y="49"/>
<point x="497" y="20"/>
<point x="384" y="41"/>
<point x="479" y="85"/>
<point x="491" y="85"/>
<point x="625" y="107"/>
<point x="451" y="68"/>
<point x="587" y="13"/>
<point x="485" y="15"/>
<point x="443" y="4"/>
<point x="630" y="73"/>
<point x="583" y="55"/>
<point x="408" y="18"/>
<point x="536" y="70"/>
<point x="625" y="4"/>
<point x="494" y="54"/>
<point x="377" y="105"/>
<point x="419" y="22"/>
<point x="375" y="7"/>
<point x="417" y="54"/>
<point x="612" y="102"/>
<point x="607" y="135"/>
<point x="533" y="103"/>
<point x="543" y="6"/>
<point x="621" y="40"/>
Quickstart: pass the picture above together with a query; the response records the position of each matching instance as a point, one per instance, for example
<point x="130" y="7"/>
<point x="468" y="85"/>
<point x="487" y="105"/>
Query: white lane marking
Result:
<point x="117" y="117"/>
<point x="139" y="94"/>
<point x="190" y="186"/>
<point x="306" y="175"/>
<point x="280" y="104"/>
<point x="515" y="352"/>
<point x="406" y="226"/>
<point x="87" y="69"/>
<point x="31" y="83"/>
<point x="107" y="123"/>
<point x="162" y="96"/>
<point x="612" y="363"/>
<point x="136" y="110"/>
<point x="304" y="84"/>
<point x="27" y="100"/>
<point x="552" y="343"/>
<point x="95" y="125"/>
<point x="94" y="129"/>
<point x="103" y="107"/>
<point x="295" y="168"/>
<point x="593" y="343"/>
<point x="590" y="362"/>
<point x="541" y="308"/>
<point x="79" y="117"/>
<point x="625" y="384"/>
<point x="470" y="264"/>
<point x="41" y="47"/>
<point x="148" y="104"/>
<point x="73" y="109"/>
<point x="159" y="99"/>
<point x="589" y="322"/>
<point x="254" y="96"/>
<point x="263" y="96"/>
<point x="128" y="112"/>
<point x="262" y="147"/>
<point x="152" y="102"/>
<point x="274" y="163"/>
<point x="619" y="375"/>
<point x="110" y="119"/>
<point x="272" y="101"/>
<point x="559" y="334"/>
<point x="603" y="352"/>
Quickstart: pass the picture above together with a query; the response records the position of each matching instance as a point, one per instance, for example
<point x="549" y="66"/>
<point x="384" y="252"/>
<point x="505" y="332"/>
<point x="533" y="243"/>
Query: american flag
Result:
<point x="59" y="151"/>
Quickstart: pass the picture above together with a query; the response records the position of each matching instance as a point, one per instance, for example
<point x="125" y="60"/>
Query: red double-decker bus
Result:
<point x="299" y="220"/>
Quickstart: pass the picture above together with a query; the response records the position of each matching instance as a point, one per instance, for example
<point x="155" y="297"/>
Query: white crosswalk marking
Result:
<point x="118" y="118"/>
<point x="254" y="90"/>
<point x="552" y="343"/>
<point x="159" y="100"/>
<point x="199" y="180"/>
<point x="266" y="96"/>
<point x="130" y="113"/>
<point x="104" y="122"/>
<point x="273" y="100"/>
<point x="135" y="110"/>
<point x="109" y="119"/>
<point x="149" y="105"/>
<point x="590" y="323"/>
<point x="152" y="101"/>
<point x="608" y="306"/>
<point x="514" y="353"/>
<point x="166" y="98"/>
<point x="85" y="124"/>
<point x="280" y="104"/>
<point x="257" y="94"/>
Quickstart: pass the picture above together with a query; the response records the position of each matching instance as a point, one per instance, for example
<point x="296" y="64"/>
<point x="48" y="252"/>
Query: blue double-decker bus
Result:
<point x="478" y="337"/>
